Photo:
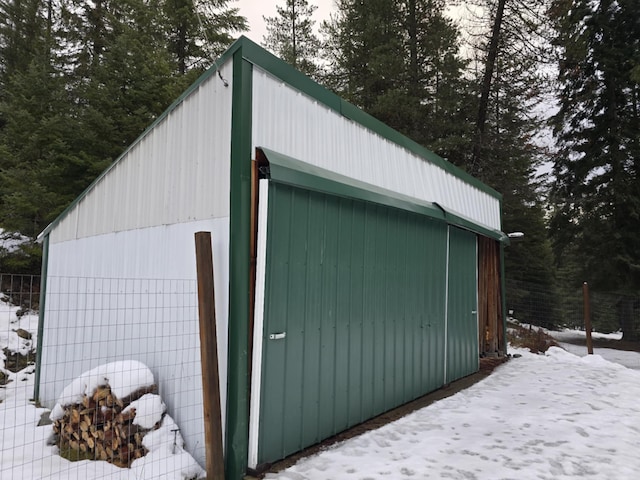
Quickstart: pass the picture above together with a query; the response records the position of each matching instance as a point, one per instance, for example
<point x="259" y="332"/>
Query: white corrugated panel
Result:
<point x="178" y="172"/>
<point x="132" y="295"/>
<point x="291" y="123"/>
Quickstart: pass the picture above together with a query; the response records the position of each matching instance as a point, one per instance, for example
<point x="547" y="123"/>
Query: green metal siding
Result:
<point x="41" y="311"/>
<point x="359" y="290"/>
<point x="462" y="305"/>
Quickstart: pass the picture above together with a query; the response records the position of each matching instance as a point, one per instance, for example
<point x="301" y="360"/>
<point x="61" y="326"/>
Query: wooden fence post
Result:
<point x="587" y="317"/>
<point x="209" y="358"/>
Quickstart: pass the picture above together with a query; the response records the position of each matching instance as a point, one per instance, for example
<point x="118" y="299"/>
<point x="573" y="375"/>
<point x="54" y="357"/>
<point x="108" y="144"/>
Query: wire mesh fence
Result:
<point x="21" y="290"/>
<point x="555" y="307"/>
<point x="117" y="392"/>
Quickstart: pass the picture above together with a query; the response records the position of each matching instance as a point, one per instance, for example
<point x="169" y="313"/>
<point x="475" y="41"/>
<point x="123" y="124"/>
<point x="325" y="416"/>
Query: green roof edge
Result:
<point x="291" y="171"/>
<point x="288" y="170"/>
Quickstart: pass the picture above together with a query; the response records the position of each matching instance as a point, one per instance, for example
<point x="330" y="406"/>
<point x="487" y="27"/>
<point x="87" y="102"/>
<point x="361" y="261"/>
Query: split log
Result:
<point x="98" y="427"/>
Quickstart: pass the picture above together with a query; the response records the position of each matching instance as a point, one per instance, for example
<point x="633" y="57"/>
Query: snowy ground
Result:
<point x="567" y="339"/>
<point x="553" y="416"/>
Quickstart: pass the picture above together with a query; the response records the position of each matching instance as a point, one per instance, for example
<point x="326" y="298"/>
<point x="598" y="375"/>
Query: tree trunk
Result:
<point x="412" y="31"/>
<point x="476" y="162"/>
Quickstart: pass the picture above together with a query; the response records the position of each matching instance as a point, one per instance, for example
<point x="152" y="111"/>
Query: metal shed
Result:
<point x="355" y="270"/>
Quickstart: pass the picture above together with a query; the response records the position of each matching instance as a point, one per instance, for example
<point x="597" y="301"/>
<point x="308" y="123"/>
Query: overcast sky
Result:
<point x="254" y="10"/>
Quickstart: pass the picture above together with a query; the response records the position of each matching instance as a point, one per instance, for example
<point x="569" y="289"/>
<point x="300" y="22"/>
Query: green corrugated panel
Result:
<point x="462" y="322"/>
<point x="359" y="290"/>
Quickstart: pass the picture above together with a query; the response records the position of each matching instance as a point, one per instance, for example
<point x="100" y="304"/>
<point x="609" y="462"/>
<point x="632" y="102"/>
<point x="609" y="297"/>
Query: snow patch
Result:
<point x="11" y="241"/>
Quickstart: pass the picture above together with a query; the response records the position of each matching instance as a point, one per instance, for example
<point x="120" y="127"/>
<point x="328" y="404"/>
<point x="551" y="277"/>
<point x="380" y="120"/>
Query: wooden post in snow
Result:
<point x="209" y="358"/>
<point x="587" y="317"/>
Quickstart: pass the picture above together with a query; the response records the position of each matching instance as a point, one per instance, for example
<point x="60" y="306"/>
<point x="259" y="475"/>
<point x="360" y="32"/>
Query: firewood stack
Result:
<point x="99" y="428"/>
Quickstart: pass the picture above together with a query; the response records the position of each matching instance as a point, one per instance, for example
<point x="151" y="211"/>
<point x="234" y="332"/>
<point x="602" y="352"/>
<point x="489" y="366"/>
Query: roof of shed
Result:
<point x="258" y="56"/>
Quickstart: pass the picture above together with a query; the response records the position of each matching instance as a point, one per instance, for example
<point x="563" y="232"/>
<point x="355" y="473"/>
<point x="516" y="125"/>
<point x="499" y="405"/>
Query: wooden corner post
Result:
<point x="209" y="358"/>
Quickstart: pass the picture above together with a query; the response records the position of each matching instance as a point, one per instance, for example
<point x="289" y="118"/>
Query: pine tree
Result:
<point x="290" y="36"/>
<point x="92" y="78"/>
<point x="363" y="53"/>
<point x="399" y="61"/>
<point x="81" y="80"/>
<point x="597" y="190"/>
<point x="510" y="38"/>
<point x="198" y="31"/>
<point x="506" y="32"/>
<point x="22" y="34"/>
<point x="436" y="85"/>
<point x="42" y="172"/>
<point x="32" y="104"/>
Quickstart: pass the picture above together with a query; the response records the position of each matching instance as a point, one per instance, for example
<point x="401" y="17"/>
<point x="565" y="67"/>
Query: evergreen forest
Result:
<point x="538" y="99"/>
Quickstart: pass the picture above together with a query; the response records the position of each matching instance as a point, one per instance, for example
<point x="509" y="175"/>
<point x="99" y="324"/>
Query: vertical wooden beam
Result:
<point x="502" y="343"/>
<point x="490" y="305"/>
<point x="483" y="308"/>
<point x="209" y="358"/>
<point x="500" y="318"/>
<point x="495" y="294"/>
<point x="587" y="317"/>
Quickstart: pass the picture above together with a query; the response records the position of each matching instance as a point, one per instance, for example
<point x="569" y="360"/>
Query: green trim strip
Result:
<point x="41" y="310"/>
<point x="460" y="221"/>
<point x="288" y="170"/>
<point x="237" y="432"/>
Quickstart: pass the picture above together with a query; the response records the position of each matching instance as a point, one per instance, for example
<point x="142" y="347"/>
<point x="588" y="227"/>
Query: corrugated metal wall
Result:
<point x="178" y="172"/>
<point x="462" y="305"/>
<point x="291" y="123"/>
<point x="359" y="291"/>
<point x="131" y="295"/>
<point x="136" y="224"/>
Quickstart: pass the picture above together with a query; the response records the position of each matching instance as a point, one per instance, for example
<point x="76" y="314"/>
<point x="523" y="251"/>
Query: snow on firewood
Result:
<point x="106" y="413"/>
<point x="148" y="409"/>
<point x="123" y="378"/>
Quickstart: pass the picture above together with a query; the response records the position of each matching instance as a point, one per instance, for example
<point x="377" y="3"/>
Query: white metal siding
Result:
<point x="178" y="172"/>
<point x="132" y="295"/>
<point x="291" y="123"/>
<point x="258" y="325"/>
